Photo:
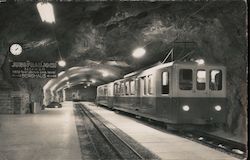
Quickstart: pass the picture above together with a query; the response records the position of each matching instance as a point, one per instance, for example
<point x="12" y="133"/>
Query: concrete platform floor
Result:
<point x="49" y="135"/>
<point x="166" y="146"/>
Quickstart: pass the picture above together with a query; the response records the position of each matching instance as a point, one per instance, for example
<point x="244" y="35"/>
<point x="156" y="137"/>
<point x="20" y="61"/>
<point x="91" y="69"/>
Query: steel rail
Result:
<point x="90" y="138"/>
<point x="103" y="135"/>
<point x="227" y="142"/>
<point x="218" y="143"/>
<point x="91" y="116"/>
<point x="213" y="141"/>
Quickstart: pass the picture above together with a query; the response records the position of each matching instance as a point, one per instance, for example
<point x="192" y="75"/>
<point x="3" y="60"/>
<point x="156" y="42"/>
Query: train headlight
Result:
<point x="185" y="108"/>
<point x="217" y="108"/>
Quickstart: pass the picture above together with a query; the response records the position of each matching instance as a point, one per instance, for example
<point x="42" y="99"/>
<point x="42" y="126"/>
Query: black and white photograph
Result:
<point x="123" y="80"/>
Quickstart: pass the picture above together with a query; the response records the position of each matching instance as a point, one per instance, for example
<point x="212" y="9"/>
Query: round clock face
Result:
<point x="16" y="49"/>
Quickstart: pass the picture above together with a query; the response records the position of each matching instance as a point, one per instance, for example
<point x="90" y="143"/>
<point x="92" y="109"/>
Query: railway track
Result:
<point x="233" y="148"/>
<point x="121" y="148"/>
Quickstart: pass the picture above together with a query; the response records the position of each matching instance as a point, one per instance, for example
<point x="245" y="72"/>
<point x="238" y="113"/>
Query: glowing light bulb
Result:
<point x="139" y="52"/>
<point x="217" y="108"/>
<point x="185" y="108"/>
<point x="62" y="63"/>
<point x="104" y="73"/>
<point x="200" y="61"/>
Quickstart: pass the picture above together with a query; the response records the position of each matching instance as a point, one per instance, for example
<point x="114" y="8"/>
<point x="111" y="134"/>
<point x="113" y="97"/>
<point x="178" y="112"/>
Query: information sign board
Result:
<point x="33" y="69"/>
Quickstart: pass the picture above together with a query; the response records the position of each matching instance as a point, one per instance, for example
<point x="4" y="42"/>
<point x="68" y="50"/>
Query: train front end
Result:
<point x="199" y="94"/>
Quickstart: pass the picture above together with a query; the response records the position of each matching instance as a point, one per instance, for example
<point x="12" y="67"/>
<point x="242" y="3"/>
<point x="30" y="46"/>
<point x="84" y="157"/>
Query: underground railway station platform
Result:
<point x="52" y="135"/>
<point x="166" y="146"/>
<point x="49" y="135"/>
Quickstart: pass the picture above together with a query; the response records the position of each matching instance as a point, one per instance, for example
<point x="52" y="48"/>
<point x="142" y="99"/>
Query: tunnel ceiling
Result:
<point x="97" y="37"/>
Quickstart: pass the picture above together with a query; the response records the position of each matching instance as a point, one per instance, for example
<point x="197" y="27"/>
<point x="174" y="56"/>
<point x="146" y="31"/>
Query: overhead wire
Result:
<point x="190" y="15"/>
<point x="57" y="45"/>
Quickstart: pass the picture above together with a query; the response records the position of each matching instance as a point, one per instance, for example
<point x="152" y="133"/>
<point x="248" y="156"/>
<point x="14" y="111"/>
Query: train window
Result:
<point x="122" y="88"/>
<point x="143" y="85"/>
<point x="105" y="91"/>
<point x="99" y="91"/>
<point x="127" y="87"/>
<point x="119" y="88"/>
<point x="215" y="82"/>
<point x="186" y="79"/>
<point x="201" y="80"/>
<point x="164" y="83"/>
<point x="150" y="84"/>
<point x="116" y="89"/>
<point x="132" y="87"/>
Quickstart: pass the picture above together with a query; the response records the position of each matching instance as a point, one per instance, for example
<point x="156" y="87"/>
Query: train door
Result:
<point x="164" y="100"/>
<point x="137" y="90"/>
<point x="148" y="94"/>
<point x="216" y="82"/>
<point x="142" y="90"/>
<point x="116" y="95"/>
<point x="110" y="95"/>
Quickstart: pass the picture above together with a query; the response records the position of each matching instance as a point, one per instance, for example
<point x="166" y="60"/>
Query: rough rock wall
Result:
<point x="28" y="90"/>
<point x="5" y="103"/>
<point x="234" y="57"/>
<point x="47" y="97"/>
<point x="223" y="41"/>
<point x="219" y="30"/>
<point x="14" y="102"/>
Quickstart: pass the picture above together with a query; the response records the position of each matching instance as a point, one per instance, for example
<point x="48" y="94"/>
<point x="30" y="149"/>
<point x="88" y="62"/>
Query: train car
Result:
<point x="105" y="95"/>
<point x="174" y="93"/>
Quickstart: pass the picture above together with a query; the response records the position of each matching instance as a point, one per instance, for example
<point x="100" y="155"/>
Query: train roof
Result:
<point x="106" y="84"/>
<point x="118" y="80"/>
<point x="164" y="65"/>
<point x="155" y="66"/>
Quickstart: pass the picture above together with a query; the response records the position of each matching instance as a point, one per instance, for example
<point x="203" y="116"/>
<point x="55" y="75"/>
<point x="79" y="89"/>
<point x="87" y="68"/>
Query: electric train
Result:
<point x="173" y="93"/>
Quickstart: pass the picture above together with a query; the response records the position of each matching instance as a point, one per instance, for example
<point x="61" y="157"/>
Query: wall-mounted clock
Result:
<point x="16" y="49"/>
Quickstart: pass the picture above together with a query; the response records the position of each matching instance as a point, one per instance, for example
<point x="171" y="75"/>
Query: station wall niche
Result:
<point x="80" y="93"/>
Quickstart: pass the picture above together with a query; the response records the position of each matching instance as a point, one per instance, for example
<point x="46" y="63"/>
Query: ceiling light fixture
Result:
<point x="61" y="73"/>
<point x="62" y="63"/>
<point x="46" y="12"/>
<point x="200" y="61"/>
<point x="139" y="52"/>
<point x="105" y="73"/>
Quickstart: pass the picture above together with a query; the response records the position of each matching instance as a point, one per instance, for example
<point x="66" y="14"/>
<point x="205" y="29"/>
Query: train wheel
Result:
<point x="117" y="112"/>
<point x="149" y="120"/>
<point x="211" y="127"/>
<point x="165" y="126"/>
<point x="220" y="126"/>
<point x="138" y="117"/>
